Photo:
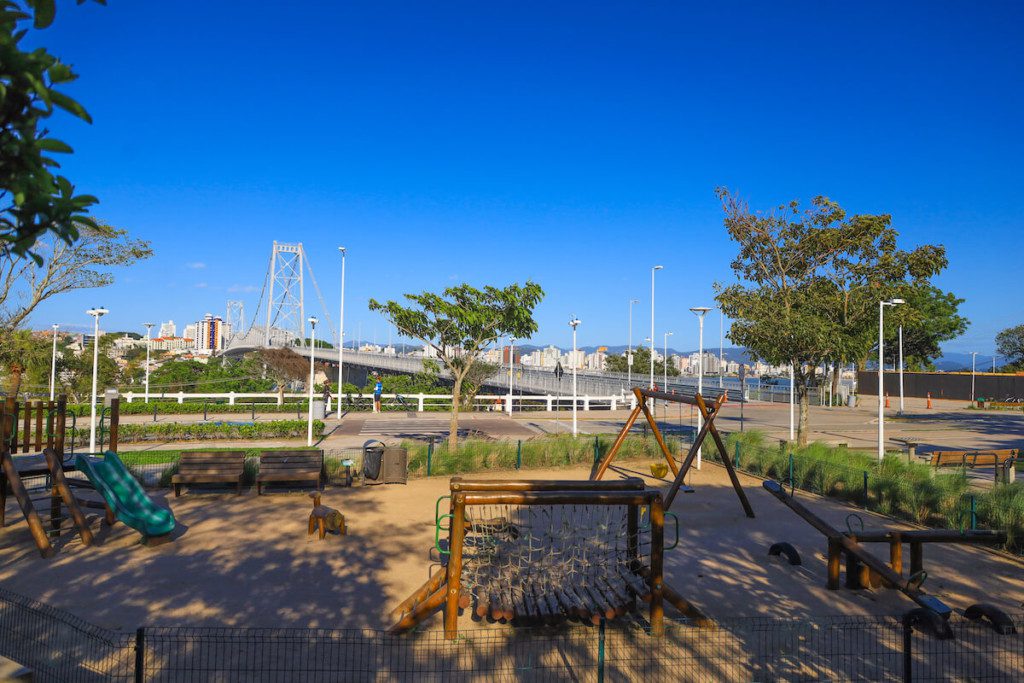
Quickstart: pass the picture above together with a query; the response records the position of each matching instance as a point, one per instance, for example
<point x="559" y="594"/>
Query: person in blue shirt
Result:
<point x="378" y="389"/>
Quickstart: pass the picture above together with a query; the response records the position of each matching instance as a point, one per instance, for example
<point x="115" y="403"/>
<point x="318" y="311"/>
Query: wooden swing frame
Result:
<point x="708" y="413"/>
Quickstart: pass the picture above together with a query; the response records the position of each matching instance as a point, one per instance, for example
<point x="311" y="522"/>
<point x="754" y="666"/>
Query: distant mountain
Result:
<point x="953" y="361"/>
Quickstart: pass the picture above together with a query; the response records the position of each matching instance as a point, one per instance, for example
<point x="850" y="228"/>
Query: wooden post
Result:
<point x="708" y="418"/>
<point x="916" y="557"/>
<point x="834" y="556"/>
<point x="657" y="614"/>
<point x="852" y="571"/>
<point x="115" y="419"/>
<point x="607" y="460"/>
<point x="61" y="489"/>
<point x="61" y="425"/>
<point x="633" y="537"/>
<point x="896" y="553"/>
<point x="26" y="436"/>
<point x="39" y="425"/>
<point x="457" y="536"/>
<point x="35" y="525"/>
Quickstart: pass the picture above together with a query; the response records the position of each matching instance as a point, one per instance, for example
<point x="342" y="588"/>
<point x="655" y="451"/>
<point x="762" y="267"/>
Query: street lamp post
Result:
<point x="341" y="333"/>
<point x="901" y="369"/>
<point x="721" y="348"/>
<point x="881" y="374"/>
<point x="629" y="347"/>
<point x="511" y="370"/>
<point x="149" y="329"/>
<point x="974" y="358"/>
<point x="574" y="323"/>
<point x="664" y="379"/>
<point x="655" y="268"/>
<point x="700" y="312"/>
<point x="96" y="313"/>
<point x="53" y="363"/>
<point x="312" y="357"/>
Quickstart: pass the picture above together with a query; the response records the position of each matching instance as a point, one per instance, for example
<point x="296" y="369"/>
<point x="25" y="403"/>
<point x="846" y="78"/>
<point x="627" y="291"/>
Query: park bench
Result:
<point x="290" y="466"/>
<point x="986" y="458"/>
<point x="210" y="467"/>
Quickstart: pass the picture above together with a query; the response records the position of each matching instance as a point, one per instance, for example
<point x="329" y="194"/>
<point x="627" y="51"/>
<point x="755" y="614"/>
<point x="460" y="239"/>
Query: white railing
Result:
<point x="496" y="402"/>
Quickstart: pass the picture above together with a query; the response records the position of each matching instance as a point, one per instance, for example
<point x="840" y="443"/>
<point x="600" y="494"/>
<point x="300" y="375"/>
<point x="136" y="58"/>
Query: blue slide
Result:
<point x="125" y="495"/>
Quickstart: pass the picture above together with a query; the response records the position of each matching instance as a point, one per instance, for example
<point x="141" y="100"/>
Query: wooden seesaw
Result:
<point x="708" y="413"/>
<point x="865" y="570"/>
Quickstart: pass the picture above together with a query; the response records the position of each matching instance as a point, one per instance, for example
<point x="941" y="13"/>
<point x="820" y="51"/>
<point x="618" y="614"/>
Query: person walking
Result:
<point x="378" y="389"/>
<point x="327" y="397"/>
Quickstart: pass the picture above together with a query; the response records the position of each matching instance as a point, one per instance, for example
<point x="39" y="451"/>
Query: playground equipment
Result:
<point x="531" y="551"/>
<point x="864" y="570"/>
<point x="125" y="497"/>
<point x="32" y="447"/>
<point x="708" y="413"/>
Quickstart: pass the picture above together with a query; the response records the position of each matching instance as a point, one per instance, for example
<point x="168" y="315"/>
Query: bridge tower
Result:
<point x="286" y="298"/>
<point x="235" y="319"/>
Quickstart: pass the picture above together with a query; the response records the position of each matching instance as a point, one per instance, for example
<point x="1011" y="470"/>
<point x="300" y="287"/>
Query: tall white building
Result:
<point x="210" y="334"/>
<point x="168" y="329"/>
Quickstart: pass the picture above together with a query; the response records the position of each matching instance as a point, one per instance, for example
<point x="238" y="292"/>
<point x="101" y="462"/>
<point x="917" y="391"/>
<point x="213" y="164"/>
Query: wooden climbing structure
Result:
<point x="32" y="448"/>
<point x="708" y="413"/>
<point x="541" y="551"/>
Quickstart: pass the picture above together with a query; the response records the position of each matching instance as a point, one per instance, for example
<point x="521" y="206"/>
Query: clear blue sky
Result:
<point x="574" y="144"/>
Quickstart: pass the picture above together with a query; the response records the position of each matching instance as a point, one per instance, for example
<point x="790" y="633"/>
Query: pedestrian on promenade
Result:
<point x="378" y="389"/>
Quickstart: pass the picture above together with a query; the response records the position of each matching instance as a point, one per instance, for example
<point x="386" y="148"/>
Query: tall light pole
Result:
<point x="574" y="323"/>
<point x="149" y="329"/>
<point x="96" y="313"/>
<point x="53" y="363"/>
<point x="881" y="373"/>
<point x="629" y="347"/>
<point x="792" y="389"/>
<point x="901" y="369"/>
<point x="312" y="357"/>
<point x="974" y="358"/>
<point x="721" y="347"/>
<point x="664" y="379"/>
<point x="511" y="370"/>
<point x="653" y="270"/>
<point x="700" y="312"/>
<point x="341" y="333"/>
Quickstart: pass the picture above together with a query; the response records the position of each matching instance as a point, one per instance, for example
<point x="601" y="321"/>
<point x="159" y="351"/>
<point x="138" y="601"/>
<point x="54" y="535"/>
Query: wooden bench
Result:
<point x="989" y="458"/>
<point x="210" y="467"/>
<point x="276" y="466"/>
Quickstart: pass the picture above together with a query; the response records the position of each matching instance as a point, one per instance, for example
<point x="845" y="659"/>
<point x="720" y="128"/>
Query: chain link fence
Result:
<point x="57" y="646"/>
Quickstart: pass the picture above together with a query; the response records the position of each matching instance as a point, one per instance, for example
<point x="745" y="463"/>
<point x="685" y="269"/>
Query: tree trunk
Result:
<point x="835" y="380"/>
<point x="803" y="403"/>
<point x="280" y="393"/>
<point x="14" y="379"/>
<point x="453" y="427"/>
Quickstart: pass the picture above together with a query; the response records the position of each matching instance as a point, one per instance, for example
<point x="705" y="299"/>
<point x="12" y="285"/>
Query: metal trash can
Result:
<point x="319" y="409"/>
<point x="373" y="458"/>
<point x="851" y="400"/>
<point x="395" y="468"/>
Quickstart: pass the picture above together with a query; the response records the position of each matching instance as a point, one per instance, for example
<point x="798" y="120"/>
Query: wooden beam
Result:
<point x="657" y="435"/>
<point x="602" y="467"/>
<point x="479" y="485"/>
<point x="726" y="460"/>
<point x="454" y="582"/>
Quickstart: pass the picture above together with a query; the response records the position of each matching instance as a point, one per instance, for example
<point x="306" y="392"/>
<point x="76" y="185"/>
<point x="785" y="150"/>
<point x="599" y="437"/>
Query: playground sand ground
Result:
<point x="247" y="561"/>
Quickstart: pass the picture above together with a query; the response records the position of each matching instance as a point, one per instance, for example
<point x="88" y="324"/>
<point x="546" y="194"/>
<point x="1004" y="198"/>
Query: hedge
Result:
<point x="180" y="431"/>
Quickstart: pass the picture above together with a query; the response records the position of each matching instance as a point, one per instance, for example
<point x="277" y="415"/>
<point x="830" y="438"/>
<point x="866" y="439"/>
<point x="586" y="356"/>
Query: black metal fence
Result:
<point x="57" y="646"/>
<point x="951" y="385"/>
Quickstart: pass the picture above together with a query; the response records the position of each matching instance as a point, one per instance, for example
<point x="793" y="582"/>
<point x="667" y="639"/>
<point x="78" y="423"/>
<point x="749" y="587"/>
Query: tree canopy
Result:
<point x="641" y="364"/>
<point x="1010" y="343"/>
<point x="461" y="322"/>
<point x="34" y="199"/>
<point x="809" y="282"/>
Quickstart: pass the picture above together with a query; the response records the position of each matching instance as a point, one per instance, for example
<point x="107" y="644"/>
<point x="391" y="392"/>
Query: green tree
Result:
<point x="930" y="317"/>
<point x="460" y="323"/>
<point x="641" y="364"/>
<point x="34" y="199"/>
<point x="809" y="282"/>
<point x="1010" y="343"/>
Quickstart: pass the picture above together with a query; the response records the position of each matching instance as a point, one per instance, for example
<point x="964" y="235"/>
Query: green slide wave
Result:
<point x="125" y="495"/>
